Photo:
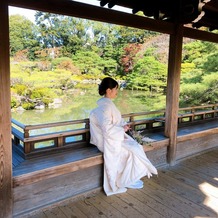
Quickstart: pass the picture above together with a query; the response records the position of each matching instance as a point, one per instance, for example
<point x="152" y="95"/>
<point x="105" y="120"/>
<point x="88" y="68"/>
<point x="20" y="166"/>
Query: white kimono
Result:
<point x="125" y="161"/>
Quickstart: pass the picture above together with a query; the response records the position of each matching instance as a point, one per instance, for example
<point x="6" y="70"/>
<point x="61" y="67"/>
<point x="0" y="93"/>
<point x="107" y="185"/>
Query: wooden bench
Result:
<point x="41" y="168"/>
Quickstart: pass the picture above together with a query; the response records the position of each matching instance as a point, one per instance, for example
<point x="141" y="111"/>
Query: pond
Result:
<point x="80" y="102"/>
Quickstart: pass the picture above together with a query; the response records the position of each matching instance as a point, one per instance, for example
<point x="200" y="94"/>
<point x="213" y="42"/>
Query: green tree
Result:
<point x="48" y="29"/>
<point x="211" y="64"/>
<point x="61" y="31"/>
<point x="88" y="62"/>
<point x="205" y="92"/>
<point x="22" y="35"/>
<point x="199" y="74"/>
<point x="73" y="32"/>
<point x="197" y="51"/>
<point x="149" y="74"/>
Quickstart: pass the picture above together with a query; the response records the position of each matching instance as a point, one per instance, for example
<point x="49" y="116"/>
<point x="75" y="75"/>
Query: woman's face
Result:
<point x="112" y="93"/>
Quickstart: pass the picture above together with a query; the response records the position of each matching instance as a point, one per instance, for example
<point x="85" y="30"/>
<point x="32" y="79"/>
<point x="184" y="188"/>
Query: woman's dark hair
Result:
<point x="106" y="83"/>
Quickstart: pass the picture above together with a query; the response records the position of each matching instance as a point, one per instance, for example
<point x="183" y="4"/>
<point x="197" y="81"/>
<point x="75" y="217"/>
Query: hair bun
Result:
<point x="106" y="83"/>
<point x="101" y="90"/>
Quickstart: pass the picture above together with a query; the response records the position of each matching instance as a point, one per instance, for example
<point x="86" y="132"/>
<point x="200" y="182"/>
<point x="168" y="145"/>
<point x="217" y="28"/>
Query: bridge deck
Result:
<point x="188" y="189"/>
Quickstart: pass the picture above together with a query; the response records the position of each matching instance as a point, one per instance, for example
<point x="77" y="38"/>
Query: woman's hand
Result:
<point x="126" y="127"/>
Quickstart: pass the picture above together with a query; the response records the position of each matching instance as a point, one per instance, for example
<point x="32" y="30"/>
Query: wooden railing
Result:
<point x="32" y="140"/>
<point x="39" y="139"/>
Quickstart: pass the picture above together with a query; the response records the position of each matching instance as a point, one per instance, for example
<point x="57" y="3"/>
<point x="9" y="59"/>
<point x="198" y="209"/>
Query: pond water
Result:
<point x="79" y="103"/>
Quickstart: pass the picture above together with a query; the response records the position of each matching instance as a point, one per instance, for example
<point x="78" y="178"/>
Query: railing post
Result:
<point x="87" y="126"/>
<point x="193" y="116"/>
<point x="27" y="148"/>
<point x="150" y="125"/>
<point x="131" y="119"/>
<point x="16" y="141"/>
<point x="214" y="111"/>
<point x="60" y="141"/>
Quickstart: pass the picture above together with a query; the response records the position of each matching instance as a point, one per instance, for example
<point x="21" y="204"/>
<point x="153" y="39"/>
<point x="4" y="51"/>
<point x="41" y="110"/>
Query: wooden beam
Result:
<point x="86" y="11"/>
<point x="200" y="35"/>
<point x="173" y="85"/>
<point x="81" y="10"/>
<point x="5" y="117"/>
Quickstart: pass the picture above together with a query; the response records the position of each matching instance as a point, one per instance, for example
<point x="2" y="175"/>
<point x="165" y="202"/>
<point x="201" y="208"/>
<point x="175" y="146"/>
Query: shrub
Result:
<point x="57" y="61"/>
<point x="46" y="95"/>
<point x="187" y="67"/>
<point x="28" y="105"/>
<point x="20" y="89"/>
<point x="46" y="101"/>
<point x="14" y="102"/>
<point x="44" y="65"/>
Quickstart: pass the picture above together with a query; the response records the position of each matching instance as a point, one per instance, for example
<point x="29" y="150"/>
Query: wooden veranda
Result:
<point x="176" y="26"/>
<point x="45" y="176"/>
<point x="188" y="189"/>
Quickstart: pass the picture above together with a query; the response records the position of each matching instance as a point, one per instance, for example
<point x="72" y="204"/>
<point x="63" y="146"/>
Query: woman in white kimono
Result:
<point x="125" y="161"/>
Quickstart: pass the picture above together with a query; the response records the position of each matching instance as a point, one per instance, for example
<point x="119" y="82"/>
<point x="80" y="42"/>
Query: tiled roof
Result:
<point x="193" y="13"/>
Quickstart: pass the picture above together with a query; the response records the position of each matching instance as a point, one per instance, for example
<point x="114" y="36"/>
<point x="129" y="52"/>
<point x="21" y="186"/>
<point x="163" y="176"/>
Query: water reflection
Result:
<point x="78" y="106"/>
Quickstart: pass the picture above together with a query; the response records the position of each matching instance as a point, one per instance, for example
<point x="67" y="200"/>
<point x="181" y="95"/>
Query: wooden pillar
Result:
<point x="5" y="117"/>
<point x="173" y="86"/>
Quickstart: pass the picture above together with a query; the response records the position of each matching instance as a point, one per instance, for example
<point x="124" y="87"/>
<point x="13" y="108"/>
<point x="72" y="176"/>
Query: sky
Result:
<point x="30" y="13"/>
<point x="25" y="12"/>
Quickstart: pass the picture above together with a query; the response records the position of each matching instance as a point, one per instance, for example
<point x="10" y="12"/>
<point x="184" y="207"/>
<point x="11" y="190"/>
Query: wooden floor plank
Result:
<point x="193" y="195"/>
<point x="186" y="190"/>
<point x="193" y="182"/>
<point x="173" y="200"/>
<point x="167" y="199"/>
<point x="189" y="176"/>
<point x="126" y="209"/>
<point x="203" y="161"/>
<point x="76" y="210"/>
<point x="89" y="210"/>
<point x="102" y="205"/>
<point x="206" y="169"/>
<point x="168" y="180"/>
<point x="16" y="159"/>
<point x="71" y="212"/>
<point x="209" y="168"/>
<point x="213" y="158"/>
<point x="35" y="215"/>
<point x="145" y="210"/>
<point x="212" y="203"/>
<point x="55" y="213"/>
<point x="154" y="204"/>
<point x="213" y="153"/>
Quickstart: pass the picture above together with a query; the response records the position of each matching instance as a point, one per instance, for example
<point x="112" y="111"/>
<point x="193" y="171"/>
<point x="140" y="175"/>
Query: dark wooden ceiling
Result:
<point x="194" y="13"/>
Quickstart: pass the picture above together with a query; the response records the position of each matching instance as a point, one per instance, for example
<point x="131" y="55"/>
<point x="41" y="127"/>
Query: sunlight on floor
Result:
<point x="211" y="195"/>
